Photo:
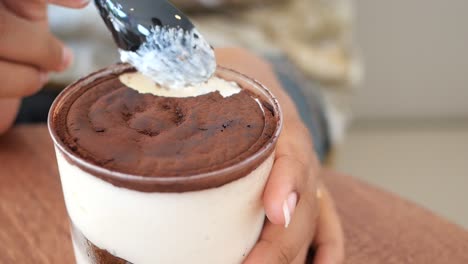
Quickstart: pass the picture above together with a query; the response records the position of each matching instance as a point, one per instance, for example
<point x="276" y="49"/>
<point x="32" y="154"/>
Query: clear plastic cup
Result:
<point x="114" y="224"/>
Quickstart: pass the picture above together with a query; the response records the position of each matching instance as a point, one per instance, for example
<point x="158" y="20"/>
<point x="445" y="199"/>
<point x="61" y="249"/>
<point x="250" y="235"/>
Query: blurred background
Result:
<point x="382" y="85"/>
<point x="409" y="131"/>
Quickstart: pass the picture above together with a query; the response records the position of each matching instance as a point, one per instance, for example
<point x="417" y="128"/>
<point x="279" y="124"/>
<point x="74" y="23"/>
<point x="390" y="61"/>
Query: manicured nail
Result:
<point x="67" y="57"/>
<point x="289" y="205"/>
<point x="43" y="77"/>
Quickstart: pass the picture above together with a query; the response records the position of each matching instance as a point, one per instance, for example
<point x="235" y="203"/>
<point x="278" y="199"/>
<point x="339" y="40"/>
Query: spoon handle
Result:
<point x="131" y="21"/>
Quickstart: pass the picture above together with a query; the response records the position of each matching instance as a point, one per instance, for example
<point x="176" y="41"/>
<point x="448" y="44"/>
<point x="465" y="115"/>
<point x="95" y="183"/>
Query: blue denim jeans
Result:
<point x="310" y="106"/>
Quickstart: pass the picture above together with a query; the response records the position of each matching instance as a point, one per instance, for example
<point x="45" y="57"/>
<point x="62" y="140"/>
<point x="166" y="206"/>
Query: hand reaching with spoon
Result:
<point x="28" y="52"/>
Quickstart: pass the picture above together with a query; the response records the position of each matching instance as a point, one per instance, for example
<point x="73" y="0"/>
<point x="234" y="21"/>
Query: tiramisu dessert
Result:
<point x="155" y="175"/>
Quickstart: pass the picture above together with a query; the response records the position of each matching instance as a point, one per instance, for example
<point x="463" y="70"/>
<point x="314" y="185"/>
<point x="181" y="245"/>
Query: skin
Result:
<point x="24" y="69"/>
<point x="314" y="220"/>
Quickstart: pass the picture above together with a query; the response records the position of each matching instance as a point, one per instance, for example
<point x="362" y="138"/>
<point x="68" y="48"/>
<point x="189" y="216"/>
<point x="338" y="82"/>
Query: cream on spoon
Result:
<point x="159" y="41"/>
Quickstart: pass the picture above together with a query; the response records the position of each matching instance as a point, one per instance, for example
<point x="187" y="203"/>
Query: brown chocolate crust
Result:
<point x="170" y="143"/>
<point x="92" y="252"/>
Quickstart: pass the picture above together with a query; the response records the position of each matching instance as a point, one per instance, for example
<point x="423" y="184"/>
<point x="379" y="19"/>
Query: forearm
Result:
<point x="255" y="67"/>
<point x="290" y="112"/>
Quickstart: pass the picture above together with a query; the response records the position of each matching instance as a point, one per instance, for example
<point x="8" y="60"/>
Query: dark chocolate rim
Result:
<point x="164" y="183"/>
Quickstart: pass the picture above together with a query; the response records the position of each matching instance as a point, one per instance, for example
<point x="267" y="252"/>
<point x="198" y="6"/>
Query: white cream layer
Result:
<point x="143" y="84"/>
<point x="174" y="58"/>
<point x="219" y="225"/>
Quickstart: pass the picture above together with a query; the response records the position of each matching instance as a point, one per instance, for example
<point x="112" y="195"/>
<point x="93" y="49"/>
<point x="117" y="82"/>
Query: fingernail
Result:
<point x="289" y="205"/>
<point x="67" y="58"/>
<point x="43" y="77"/>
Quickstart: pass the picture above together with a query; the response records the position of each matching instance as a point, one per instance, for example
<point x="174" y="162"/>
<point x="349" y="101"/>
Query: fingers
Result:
<point x="30" y="43"/>
<point x="8" y="110"/>
<point x="302" y="254"/>
<point x="329" y="238"/>
<point x="295" y="166"/>
<point x="70" y="3"/>
<point x="279" y="245"/>
<point x="20" y="80"/>
<point x="284" y="188"/>
<point x="35" y="10"/>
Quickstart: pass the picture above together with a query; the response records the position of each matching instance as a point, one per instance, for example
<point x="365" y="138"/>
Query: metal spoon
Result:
<point x="159" y="40"/>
